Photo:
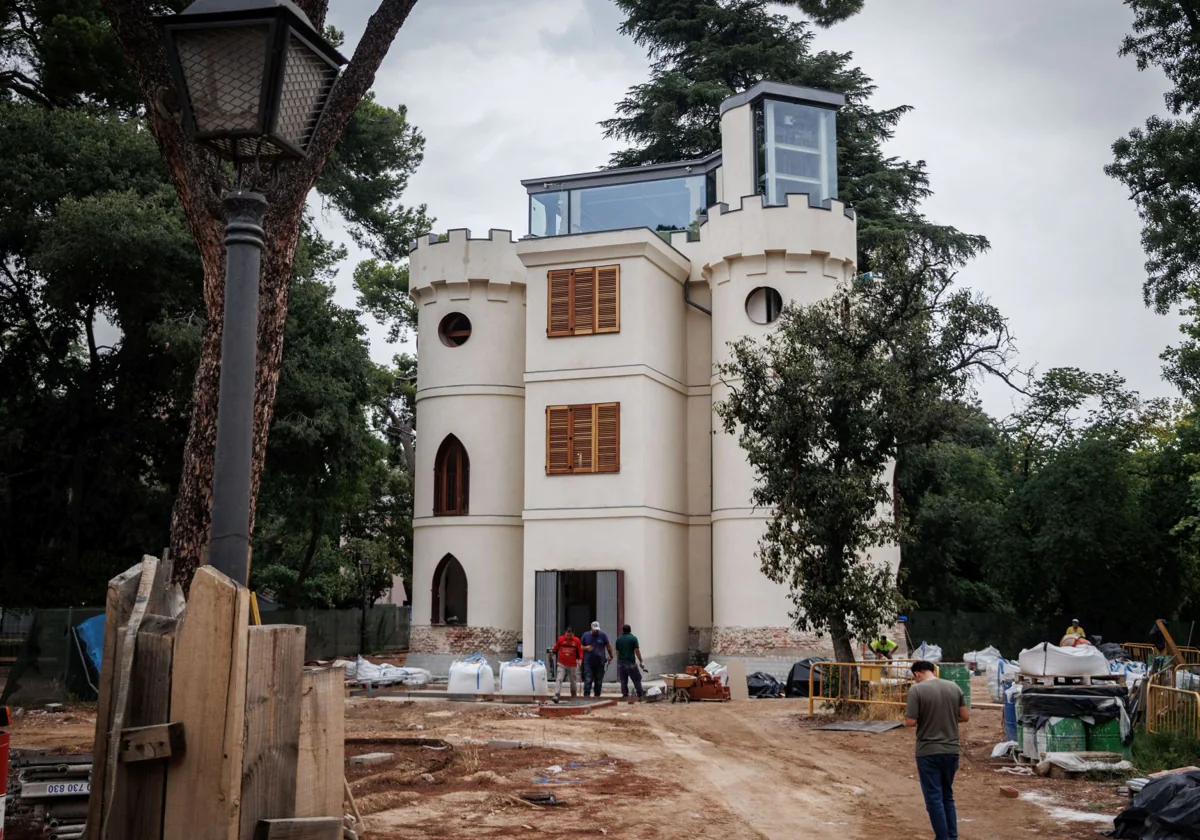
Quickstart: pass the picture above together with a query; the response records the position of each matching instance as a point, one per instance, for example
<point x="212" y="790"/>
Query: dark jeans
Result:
<point x="629" y="671"/>
<point x="937" y="783"/>
<point x="593" y="674"/>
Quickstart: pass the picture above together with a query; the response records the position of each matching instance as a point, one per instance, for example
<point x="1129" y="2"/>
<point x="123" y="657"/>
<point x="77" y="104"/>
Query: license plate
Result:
<point x="33" y="790"/>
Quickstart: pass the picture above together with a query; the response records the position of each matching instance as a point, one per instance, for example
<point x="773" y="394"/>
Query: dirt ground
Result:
<point x="725" y="771"/>
<point x="755" y="769"/>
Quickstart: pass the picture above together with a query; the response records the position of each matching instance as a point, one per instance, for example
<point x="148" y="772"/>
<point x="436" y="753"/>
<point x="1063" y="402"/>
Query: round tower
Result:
<point x="780" y="236"/>
<point x="757" y="259"/>
<point x="467" y="534"/>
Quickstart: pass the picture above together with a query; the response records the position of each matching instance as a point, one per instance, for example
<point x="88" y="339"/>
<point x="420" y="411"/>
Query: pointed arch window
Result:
<point x="451" y="479"/>
<point x="449" y="605"/>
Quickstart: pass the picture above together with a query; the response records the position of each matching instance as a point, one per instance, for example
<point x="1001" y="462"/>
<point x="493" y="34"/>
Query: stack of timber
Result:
<point x="209" y="728"/>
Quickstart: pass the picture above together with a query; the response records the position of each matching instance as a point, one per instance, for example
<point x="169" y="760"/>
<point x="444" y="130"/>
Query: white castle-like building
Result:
<point x="570" y="466"/>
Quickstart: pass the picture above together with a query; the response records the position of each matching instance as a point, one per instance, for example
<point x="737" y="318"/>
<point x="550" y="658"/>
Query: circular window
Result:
<point x="763" y="305"/>
<point x="455" y="329"/>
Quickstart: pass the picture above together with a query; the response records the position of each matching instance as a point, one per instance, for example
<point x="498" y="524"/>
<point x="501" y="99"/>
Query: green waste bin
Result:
<point x="960" y="675"/>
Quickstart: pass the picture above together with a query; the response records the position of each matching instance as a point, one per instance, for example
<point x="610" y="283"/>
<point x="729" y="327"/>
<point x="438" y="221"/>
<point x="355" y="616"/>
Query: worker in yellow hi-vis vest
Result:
<point x="883" y="647"/>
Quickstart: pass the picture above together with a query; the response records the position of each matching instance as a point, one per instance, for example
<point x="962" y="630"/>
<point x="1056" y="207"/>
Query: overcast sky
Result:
<point x="1017" y="104"/>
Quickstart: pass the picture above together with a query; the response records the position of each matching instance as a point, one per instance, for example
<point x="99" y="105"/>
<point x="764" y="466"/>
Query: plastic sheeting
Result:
<point x="1167" y="808"/>
<point x="1049" y="660"/>
<point x="91" y="636"/>
<point x="763" y="685"/>
<point x="362" y="672"/>
<point x="1094" y="704"/>
<point x="797" y="681"/>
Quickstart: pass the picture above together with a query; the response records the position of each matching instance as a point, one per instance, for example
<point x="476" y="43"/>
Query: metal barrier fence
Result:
<point x="875" y="683"/>
<point x="1190" y="655"/>
<point x="1139" y="652"/>
<point x="1172" y="711"/>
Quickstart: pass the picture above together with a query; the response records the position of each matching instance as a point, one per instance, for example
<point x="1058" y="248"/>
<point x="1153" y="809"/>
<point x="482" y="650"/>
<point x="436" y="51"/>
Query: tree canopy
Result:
<point x="703" y="51"/>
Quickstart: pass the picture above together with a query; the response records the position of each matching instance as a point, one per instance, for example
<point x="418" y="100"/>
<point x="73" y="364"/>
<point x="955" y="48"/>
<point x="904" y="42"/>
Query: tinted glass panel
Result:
<point x="548" y="213"/>
<point x="797" y="150"/>
<point x="671" y="204"/>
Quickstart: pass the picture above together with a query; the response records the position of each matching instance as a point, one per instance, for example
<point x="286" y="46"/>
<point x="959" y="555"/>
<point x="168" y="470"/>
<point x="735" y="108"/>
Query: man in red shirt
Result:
<point x="568" y="650"/>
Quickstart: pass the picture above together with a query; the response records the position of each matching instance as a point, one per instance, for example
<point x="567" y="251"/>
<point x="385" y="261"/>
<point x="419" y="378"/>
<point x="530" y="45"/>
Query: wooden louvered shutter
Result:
<point x="608" y="299"/>
<point x="583" y="438"/>
<point x="583" y="301"/>
<point x="608" y="437"/>
<point x="558" y="306"/>
<point x="558" y="439"/>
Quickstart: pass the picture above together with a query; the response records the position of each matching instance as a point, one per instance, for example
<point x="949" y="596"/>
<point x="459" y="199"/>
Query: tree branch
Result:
<point x="357" y="79"/>
<point x="1193" y="17"/>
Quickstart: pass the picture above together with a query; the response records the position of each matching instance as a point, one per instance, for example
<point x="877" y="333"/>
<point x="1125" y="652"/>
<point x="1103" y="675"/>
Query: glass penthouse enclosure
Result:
<point x="794" y="150"/>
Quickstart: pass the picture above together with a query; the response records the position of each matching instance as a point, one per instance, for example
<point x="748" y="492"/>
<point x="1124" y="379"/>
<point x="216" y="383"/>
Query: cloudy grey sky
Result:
<point x="1017" y="103"/>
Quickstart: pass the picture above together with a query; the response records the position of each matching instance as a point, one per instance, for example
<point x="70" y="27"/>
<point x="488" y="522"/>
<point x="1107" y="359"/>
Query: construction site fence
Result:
<point x="961" y="632"/>
<point x="1172" y="711"/>
<point x="872" y="683"/>
<point x="43" y="661"/>
<point x="337" y="633"/>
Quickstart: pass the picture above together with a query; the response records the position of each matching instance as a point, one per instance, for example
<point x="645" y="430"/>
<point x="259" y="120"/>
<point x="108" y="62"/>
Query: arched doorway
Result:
<point x="451" y="479"/>
<point x="449" y="592"/>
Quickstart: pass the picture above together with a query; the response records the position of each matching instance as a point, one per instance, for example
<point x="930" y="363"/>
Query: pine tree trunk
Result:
<point x="843" y="644"/>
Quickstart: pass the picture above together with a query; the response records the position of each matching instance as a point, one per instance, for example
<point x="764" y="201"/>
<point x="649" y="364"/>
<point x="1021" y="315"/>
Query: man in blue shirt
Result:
<point x="597" y="653"/>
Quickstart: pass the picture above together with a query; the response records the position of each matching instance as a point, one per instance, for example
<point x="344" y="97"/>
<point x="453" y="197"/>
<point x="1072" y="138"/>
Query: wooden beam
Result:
<point x="139" y="790"/>
<point x="208" y="696"/>
<point x="274" y="665"/>
<point x="321" y="766"/>
<point x="152" y="743"/>
<point x="303" y="828"/>
<point x="117" y="606"/>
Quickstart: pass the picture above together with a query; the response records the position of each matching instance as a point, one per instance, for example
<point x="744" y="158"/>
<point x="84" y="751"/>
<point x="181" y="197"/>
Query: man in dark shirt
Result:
<point x="936" y="708"/>
<point x="629" y="657"/>
<point x="597" y="653"/>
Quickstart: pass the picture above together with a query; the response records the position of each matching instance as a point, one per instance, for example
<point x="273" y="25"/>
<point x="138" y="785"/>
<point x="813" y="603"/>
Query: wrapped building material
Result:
<point x="1047" y="660"/>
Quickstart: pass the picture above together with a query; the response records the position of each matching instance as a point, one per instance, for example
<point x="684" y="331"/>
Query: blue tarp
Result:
<point x="91" y="635"/>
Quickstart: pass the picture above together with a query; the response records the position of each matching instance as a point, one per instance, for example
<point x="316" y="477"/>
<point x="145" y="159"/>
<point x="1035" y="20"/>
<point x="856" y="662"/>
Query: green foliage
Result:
<point x="368" y="172"/>
<point x="90" y="430"/>
<point x="703" y="51"/>
<point x="101" y="313"/>
<point x="383" y="293"/>
<point x="823" y="406"/>
<point x="1160" y="163"/>
<point x="1081" y="495"/>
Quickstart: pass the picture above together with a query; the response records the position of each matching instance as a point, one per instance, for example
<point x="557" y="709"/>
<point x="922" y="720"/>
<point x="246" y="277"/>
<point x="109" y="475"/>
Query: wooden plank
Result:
<point x="738" y="689"/>
<point x="304" y="828"/>
<point x="139" y="789"/>
<point x="117" y="606"/>
<point x="321" y="766"/>
<point x="152" y="743"/>
<point x="123" y="679"/>
<point x="274" y="667"/>
<point x="208" y="696"/>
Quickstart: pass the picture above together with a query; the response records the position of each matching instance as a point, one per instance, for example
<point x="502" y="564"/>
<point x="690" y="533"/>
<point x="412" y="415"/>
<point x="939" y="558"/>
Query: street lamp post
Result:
<point x="253" y="78"/>
<point x="365" y="563"/>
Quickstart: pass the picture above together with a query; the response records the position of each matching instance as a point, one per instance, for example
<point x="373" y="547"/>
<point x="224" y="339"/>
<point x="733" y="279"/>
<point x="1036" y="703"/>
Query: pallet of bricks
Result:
<point x="209" y="728"/>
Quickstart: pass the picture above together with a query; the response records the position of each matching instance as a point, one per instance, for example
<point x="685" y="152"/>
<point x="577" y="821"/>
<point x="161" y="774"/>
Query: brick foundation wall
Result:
<point x="768" y="642"/>
<point x="462" y="640"/>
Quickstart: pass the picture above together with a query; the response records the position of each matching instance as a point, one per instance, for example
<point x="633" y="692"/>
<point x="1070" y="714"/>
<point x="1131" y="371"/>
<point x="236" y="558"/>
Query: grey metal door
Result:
<point x="609" y="609"/>
<point x="545" y="614"/>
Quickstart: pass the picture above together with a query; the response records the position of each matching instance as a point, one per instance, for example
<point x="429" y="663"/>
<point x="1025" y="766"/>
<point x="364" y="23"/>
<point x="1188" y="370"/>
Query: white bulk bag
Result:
<point x="522" y="678"/>
<point x="928" y="652"/>
<point x="1047" y="660"/>
<point x="472" y="675"/>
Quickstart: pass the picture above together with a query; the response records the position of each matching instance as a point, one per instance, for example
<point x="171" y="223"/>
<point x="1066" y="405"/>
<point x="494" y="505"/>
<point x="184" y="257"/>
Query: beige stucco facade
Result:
<point x="674" y="527"/>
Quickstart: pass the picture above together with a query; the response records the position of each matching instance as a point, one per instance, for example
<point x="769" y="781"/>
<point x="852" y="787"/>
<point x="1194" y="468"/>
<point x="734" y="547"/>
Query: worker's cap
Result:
<point x="595" y="625"/>
<point x="1074" y="620"/>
